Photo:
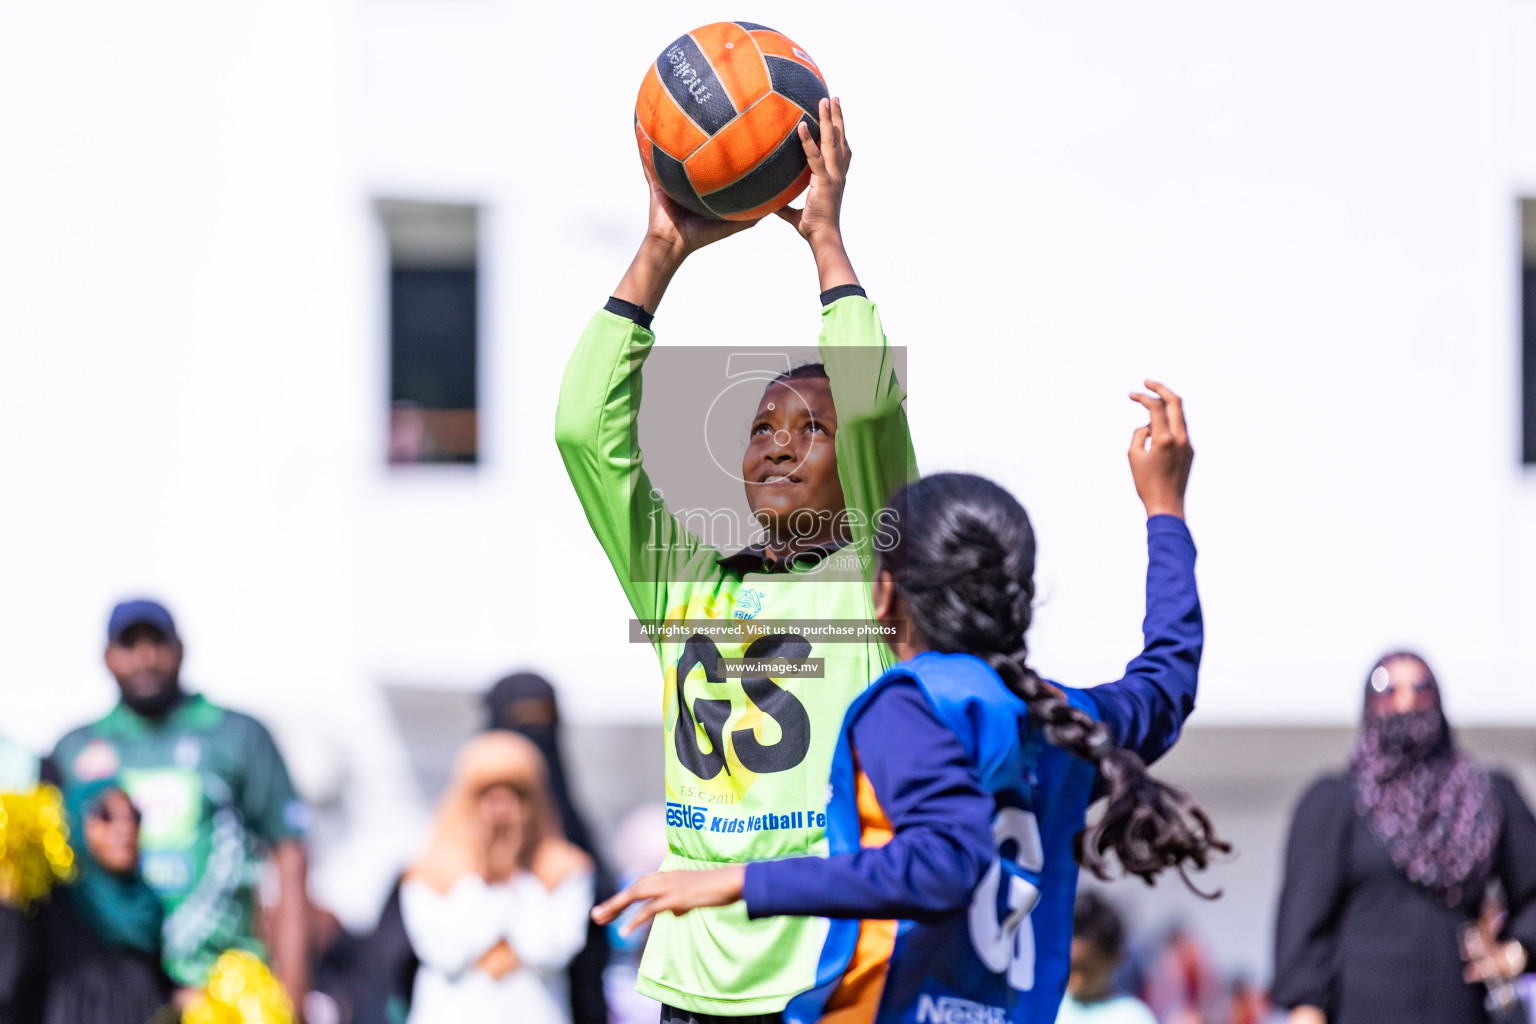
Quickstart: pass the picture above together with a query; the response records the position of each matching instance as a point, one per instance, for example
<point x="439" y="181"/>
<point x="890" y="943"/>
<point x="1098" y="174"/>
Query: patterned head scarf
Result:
<point x="1428" y="805"/>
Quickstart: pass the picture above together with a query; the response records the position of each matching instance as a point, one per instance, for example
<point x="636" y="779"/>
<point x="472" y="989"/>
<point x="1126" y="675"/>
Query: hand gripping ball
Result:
<point x="716" y="119"/>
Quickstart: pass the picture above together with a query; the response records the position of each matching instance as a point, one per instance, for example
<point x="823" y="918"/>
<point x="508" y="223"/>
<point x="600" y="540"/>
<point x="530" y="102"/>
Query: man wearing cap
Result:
<point x="216" y="800"/>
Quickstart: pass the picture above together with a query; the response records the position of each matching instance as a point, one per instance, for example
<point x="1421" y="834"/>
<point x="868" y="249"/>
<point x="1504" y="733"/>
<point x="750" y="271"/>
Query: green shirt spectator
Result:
<point x="216" y="798"/>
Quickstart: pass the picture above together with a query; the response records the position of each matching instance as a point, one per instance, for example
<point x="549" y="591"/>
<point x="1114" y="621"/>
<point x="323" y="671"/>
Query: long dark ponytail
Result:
<point x="962" y="554"/>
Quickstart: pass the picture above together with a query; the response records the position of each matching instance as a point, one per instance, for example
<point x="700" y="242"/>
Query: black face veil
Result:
<point x="525" y="703"/>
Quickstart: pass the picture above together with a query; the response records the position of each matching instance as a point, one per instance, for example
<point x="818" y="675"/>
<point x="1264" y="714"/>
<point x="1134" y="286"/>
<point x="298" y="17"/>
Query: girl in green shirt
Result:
<point x="747" y="753"/>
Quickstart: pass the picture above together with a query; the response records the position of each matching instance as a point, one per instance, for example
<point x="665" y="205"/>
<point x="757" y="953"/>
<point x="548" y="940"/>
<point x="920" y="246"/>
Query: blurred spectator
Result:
<point x="215" y="796"/>
<point x="525" y="704"/>
<point x="21" y="990"/>
<point x="1182" y="985"/>
<point x="1388" y="863"/>
<point x="497" y="905"/>
<point x="100" y="935"/>
<point x="1098" y="941"/>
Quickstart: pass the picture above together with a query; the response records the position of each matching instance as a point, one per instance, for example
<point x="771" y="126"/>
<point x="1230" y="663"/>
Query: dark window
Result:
<point x="434" y="334"/>
<point x="1528" y="329"/>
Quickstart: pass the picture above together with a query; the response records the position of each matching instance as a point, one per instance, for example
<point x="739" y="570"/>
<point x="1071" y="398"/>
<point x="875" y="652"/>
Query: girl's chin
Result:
<point x="777" y="503"/>
<point x="773" y="515"/>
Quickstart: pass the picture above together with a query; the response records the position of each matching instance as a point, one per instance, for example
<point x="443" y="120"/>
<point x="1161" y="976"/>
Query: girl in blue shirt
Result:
<point x="962" y="779"/>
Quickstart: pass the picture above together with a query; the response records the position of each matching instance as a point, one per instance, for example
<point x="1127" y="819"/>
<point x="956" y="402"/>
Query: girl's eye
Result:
<point x="813" y="425"/>
<point x="761" y="428"/>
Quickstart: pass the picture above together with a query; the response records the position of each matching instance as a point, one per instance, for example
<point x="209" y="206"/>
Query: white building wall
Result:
<point x="1301" y="216"/>
<point x="1302" y="219"/>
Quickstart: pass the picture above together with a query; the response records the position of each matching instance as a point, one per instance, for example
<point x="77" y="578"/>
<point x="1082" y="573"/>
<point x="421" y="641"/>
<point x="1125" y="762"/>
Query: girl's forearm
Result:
<point x="649" y="273"/>
<point x="832" y="264"/>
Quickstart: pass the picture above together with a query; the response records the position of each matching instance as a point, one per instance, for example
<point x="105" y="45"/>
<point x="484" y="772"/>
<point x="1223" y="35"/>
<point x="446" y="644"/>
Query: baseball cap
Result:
<point x="140" y="611"/>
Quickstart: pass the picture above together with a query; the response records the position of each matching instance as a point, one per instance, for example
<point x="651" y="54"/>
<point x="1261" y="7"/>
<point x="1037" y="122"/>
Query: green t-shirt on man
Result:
<point x="215" y="798"/>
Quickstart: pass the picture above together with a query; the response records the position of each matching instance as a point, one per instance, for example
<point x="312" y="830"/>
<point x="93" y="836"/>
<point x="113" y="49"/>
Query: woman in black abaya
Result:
<point x="1389" y="862"/>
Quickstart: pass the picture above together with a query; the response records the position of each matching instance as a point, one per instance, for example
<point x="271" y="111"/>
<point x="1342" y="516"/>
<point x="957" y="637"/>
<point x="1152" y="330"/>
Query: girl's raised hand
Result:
<point x="683" y="231"/>
<point x="675" y="891"/>
<point x="671" y="234"/>
<point x="821" y="218"/>
<point x="1160" y="452"/>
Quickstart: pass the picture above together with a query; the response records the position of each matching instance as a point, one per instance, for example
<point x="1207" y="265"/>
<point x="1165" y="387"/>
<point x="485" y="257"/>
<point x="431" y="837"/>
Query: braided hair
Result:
<point x="962" y="556"/>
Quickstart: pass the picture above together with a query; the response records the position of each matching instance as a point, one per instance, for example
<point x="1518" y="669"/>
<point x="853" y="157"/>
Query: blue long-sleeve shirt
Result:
<point x="1146" y="708"/>
<point x="939" y="815"/>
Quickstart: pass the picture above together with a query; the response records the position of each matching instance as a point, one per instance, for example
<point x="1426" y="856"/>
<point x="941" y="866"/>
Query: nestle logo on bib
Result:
<point x="697" y="818"/>
<point x="954" y="1010"/>
<point x="685" y="816"/>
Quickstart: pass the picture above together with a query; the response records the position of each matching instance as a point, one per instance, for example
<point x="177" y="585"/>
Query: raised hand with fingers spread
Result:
<point x="1160" y="452"/>
<point x="820" y="220"/>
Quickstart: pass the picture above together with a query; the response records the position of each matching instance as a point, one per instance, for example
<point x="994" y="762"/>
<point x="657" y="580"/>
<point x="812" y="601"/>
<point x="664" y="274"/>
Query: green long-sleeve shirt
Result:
<point x="747" y="760"/>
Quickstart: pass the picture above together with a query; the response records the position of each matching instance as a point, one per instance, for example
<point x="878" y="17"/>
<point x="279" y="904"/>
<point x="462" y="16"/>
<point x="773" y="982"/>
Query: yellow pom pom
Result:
<point x="240" y="990"/>
<point x="34" y="846"/>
